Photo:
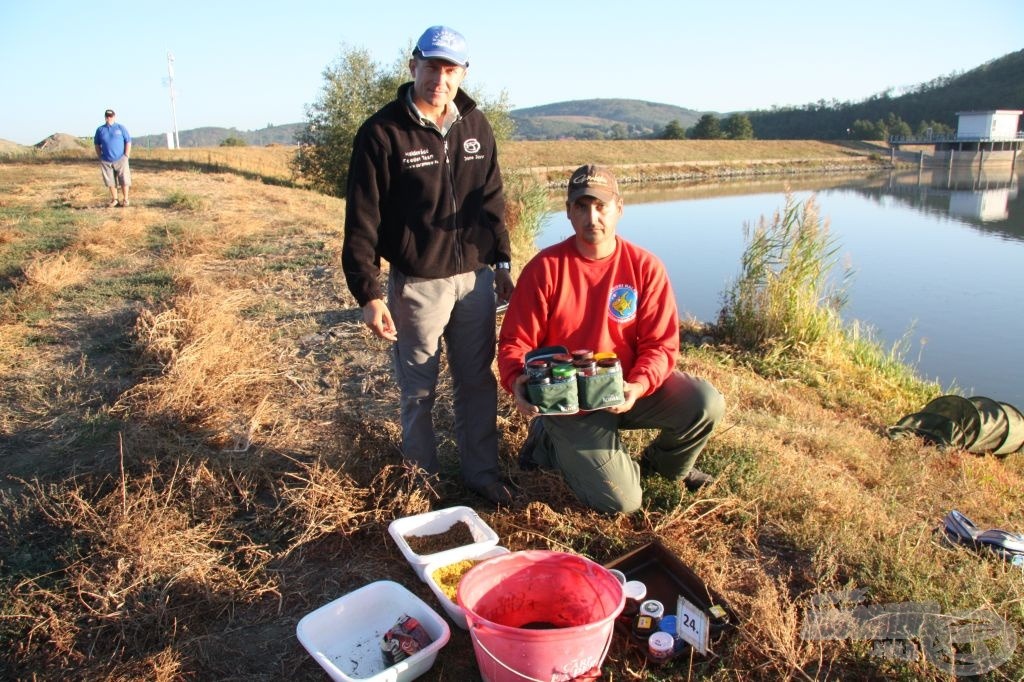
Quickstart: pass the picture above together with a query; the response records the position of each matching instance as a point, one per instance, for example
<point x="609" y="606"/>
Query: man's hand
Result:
<point x="503" y="284"/>
<point x="631" y="392"/>
<point x="378" y="318"/>
<point x="522" y="402"/>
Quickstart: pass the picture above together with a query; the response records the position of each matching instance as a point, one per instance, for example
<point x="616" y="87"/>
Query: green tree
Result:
<point x="862" y="129"/>
<point x="933" y="129"/>
<point x="499" y="114"/>
<point x="896" y="126"/>
<point x="738" y="127"/>
<point x="354" y="88"/>
<point x="674" y="131"/>
<point x="233" y="141"/>
<point x="707" y="128"/>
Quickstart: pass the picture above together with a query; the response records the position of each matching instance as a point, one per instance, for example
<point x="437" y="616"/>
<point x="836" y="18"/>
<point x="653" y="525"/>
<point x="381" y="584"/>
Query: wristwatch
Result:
<point x="503" y="265"/>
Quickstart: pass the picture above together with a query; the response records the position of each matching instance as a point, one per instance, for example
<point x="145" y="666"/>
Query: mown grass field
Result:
<point x="199" y="445"/>
<point x="638" y="160"/>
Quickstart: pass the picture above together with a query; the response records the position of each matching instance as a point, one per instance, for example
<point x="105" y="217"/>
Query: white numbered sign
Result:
<point x="692" y="625"/>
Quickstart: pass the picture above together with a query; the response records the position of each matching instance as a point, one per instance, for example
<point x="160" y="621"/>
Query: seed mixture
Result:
<point x="448" y="577"/>
<point x="456" y="536"/>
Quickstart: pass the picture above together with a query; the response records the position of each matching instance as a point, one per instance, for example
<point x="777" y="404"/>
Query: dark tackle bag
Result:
<point x="978" y="424"/>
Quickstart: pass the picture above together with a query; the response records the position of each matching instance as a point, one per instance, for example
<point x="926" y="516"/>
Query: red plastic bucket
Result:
<point x="540" y="615"/>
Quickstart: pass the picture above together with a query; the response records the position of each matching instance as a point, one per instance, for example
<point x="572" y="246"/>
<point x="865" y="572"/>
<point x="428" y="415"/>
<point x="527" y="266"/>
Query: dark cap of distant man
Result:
<point x="595" y="181"/>
<point x="108" y="112"/>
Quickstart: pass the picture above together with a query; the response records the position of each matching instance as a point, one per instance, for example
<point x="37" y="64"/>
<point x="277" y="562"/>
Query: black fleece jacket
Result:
<point x="431" y="206"/>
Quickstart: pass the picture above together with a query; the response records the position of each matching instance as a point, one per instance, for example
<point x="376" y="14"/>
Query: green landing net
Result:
<point x="978" y="424"/>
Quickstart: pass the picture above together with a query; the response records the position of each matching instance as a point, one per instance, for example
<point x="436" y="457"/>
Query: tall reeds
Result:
<point x="783" y="301"/>
<point x="526" y="207"/>
<point x="784" y="309"/>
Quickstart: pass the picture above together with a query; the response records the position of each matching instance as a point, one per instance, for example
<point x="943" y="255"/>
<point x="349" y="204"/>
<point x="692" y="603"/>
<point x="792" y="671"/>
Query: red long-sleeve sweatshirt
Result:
<point x="623" y="303"/>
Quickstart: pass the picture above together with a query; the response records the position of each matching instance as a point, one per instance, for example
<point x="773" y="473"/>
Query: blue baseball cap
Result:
<point x="441" y="42"/>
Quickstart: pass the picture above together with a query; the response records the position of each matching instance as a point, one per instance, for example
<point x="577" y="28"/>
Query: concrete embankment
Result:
<point x="681" y="160"/>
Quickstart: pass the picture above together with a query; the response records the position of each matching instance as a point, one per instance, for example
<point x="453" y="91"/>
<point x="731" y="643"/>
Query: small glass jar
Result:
<point x="644" y="626"/>
<point x="635" y="592"/>
<point x="537" y="369"/>
<point x="561" y="359"/>
<point x="560" y="373"/>
<point x="652" y="608"/>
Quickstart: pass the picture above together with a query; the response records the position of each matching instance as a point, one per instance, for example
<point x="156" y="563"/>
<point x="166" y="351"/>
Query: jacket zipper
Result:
<point x="455" y="203"/>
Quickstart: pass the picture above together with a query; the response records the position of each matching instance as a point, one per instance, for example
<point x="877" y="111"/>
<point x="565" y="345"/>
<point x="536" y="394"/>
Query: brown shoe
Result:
<point x="697" y="479"/>
<point x="497" y="493"/>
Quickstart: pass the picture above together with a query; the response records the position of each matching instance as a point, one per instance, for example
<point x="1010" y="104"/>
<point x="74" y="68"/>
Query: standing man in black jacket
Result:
<point x="425" y="194"/>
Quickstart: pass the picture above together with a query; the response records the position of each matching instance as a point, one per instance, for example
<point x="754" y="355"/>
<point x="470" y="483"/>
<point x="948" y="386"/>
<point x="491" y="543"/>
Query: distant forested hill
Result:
<point x="212" y="137"/>
<point x="600" y="119"/>
<point x="998" y="84"/>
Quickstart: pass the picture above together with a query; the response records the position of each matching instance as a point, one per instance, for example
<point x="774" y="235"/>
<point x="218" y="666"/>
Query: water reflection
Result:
<point x="988" y="200"/>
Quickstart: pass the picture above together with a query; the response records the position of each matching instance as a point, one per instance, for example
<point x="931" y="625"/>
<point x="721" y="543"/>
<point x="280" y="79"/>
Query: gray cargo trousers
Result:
<point x="461" y="310"/>
<point x="587" y="447"/>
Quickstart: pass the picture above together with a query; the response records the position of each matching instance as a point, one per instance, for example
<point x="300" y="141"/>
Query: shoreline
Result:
<point x="556" y="177"/>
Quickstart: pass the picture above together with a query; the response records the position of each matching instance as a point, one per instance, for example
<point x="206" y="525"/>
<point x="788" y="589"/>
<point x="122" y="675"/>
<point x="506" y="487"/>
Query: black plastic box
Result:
<point x="667" y="577"/>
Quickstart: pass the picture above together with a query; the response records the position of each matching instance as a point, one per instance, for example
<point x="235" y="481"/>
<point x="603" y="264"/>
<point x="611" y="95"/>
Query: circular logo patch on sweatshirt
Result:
<point x="622" y="303"/>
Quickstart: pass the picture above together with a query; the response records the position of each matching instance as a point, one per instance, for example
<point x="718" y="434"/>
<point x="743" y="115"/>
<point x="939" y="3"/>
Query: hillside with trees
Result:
<point x="998" y="84"/>
<point x="599" y="119"/>
<point x="211" y="136"/>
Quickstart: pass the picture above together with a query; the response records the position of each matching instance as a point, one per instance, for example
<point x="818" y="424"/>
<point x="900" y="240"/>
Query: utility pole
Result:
<point x="176" y="144"/>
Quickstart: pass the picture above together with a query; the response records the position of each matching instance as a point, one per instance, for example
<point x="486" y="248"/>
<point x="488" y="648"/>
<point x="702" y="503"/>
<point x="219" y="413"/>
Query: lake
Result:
<point x="937" y="259"/>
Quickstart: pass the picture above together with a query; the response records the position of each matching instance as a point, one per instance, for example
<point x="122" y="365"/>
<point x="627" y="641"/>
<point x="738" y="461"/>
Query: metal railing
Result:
<point x="927" y="139"/>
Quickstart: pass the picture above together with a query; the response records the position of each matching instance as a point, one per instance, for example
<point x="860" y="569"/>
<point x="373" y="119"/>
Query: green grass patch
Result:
<point x="147" y="285"/>
<point x="184" y="201"/>
<point x="47" y="231"/>
<point x="251" y="248"/>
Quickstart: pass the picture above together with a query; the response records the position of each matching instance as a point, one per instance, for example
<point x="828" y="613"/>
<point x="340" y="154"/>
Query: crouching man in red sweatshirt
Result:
<point x="595" y="290"/>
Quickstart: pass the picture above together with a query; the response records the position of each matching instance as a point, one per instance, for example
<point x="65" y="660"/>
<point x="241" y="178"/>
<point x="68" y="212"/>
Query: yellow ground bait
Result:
<point x="448" y="577"/>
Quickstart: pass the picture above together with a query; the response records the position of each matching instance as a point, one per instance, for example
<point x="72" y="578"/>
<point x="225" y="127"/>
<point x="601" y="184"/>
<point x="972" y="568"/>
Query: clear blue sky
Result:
<point x="247" y="64"/>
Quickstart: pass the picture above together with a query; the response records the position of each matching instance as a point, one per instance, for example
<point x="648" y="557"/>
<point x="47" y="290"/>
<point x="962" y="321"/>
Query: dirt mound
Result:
<point x="62" y="142"/>
<point x="8" y="147"/>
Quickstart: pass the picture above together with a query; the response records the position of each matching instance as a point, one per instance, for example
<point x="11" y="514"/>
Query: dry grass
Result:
<point x="200" y="445"/>
<point x="552" y="160"/>
<point x="272" y="162"/>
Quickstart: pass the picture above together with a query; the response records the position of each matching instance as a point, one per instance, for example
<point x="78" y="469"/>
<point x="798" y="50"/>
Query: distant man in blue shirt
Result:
<point x="113" y="147"/>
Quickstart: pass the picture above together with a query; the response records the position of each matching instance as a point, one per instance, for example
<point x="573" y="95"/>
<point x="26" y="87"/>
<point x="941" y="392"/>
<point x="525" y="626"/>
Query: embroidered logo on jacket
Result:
<point x="472" y="148"/>
<point x="418" y="158"/>
<point x="622" y="303"/>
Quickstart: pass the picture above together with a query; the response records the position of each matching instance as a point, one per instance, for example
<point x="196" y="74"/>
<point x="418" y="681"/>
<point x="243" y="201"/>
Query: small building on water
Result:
<point x="986" y="130"/>
<point x="980" y="136"/>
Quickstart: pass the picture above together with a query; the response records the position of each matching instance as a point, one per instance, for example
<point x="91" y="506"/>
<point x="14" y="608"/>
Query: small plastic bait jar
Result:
<point x="660" y="645"/>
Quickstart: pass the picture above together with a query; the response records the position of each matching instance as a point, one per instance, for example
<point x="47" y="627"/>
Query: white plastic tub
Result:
<point x="435" y="523"/>
<point x="344" y="635"/>
<point x="454" y="611"/>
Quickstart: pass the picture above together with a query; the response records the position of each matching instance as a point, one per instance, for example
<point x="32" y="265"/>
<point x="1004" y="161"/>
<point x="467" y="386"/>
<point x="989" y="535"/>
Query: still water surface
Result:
<point x="937" y="260"/>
